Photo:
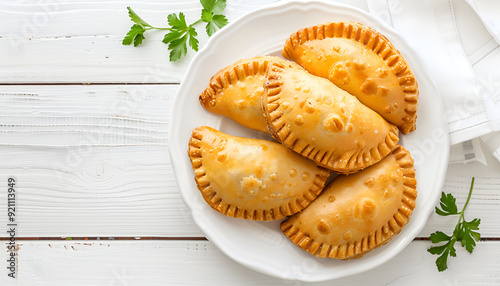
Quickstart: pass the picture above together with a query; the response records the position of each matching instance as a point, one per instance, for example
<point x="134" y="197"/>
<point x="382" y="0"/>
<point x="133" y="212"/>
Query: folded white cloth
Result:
<point x="470" y="90"/>
<point x="489" y="12"/>
<point x="492" y="141"/>
<point x="466" y="152"/>
<point x="488" y="75"/>
<point x="487" y="71"/>
<point x="429" y="26"/>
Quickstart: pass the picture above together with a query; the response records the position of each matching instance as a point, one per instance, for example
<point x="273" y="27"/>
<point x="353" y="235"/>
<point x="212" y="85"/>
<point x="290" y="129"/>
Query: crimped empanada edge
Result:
<point x="375" y="41"/>
<point x="373" y="240"/>
<point x="281" y="132"/>
<point x="231" y="74"/>
<point x="215" y="201"/>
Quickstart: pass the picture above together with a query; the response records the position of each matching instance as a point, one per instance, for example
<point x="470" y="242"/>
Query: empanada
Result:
<point x="363" y="62"/>
<point x="324" y="123"/>
<point x="357" y="213"/>
<point x="251" y="178"/>
<point x="236" y="92"/>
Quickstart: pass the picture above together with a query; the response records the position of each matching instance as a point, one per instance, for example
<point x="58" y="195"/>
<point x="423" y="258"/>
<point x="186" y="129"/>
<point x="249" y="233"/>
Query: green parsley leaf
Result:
<point x="468" y="236"/>
<point x="178" y="48"/>
<point x="465" y="232"/>
<point x="215" y="21"/>
<point x="220" y="20"/>
<point x="193" y="42"/>
<point x="206" y="16"/>
<point x="136" y="19"/>
<point x="177" y="23"/>
<point x="448" y="205"/>
<point x="445" y="250"/>
<point x="442" y="261"/>
<point x="214" y="6"/>
<point x="138" y="39"/>
<point x="438" y="249"/>
<point x="439" y="236"/>
<point x="172" y="36"/>
<point x="180" y="34"/>
<point x="210" y="15"/>
<point x="210" y="28"/>
<point x="135" y="35"/>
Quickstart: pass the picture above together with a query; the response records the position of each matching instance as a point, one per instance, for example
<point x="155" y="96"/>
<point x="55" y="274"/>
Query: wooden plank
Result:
<point x="39" y="38"/>
<point x="69" y="116"/>
<point x="93" y="160"/>
<point x="484" y="200"/>
<point x="67" y="41"/>
<point x="199" y="262"/>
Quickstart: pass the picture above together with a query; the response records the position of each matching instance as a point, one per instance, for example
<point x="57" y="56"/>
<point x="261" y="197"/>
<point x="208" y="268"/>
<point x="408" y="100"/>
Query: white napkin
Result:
<point x="489" y="12"/>
<point x="466" y="152"/>
<point x="429" y="26"/>
<point x="492" y="141"/>
<point x="469" y="85"/>
<point x="487" y="70"/>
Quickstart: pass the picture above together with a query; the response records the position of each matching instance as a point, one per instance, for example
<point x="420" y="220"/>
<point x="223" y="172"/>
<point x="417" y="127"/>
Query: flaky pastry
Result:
<point x="357" y="213"/>
<point x="251" y="178"/>
<point x="236" y="92"/>
<point x="363" y="62"/>
<point x="322" y="122"/>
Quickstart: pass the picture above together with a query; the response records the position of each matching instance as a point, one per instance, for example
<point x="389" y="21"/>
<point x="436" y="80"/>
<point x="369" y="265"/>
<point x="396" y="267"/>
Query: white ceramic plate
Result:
<point x="261" y="245"/>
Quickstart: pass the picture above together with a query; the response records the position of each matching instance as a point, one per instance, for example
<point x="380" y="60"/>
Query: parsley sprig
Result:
<point x="465" y="232"/>
<point x="180" y="34"/>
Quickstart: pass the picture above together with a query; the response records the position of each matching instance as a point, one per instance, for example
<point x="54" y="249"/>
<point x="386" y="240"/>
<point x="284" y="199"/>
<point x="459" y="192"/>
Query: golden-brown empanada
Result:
<point x="357" y="213"/>
<point x="363" y="62"/>
<point x="236" y="92"/>
<point x="251" y="178"/>
<point x="324" y="123"/>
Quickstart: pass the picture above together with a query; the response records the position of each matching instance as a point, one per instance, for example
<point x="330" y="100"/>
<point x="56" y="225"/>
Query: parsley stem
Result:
<point x="462" y="213"/>
<point x="199" y="20"/>
<point x="156" y="28"/>
<point x="465" y="232"/>
<point x="168" y="28"/>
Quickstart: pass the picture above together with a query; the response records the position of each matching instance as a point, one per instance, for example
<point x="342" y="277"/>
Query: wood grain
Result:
<point x="80" y="42"/>
<point x="199" y="262"/>
<point x="91" y="161"/>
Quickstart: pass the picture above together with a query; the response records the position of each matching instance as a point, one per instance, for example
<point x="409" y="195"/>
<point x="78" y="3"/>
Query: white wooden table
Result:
<point x="83" y="130"/>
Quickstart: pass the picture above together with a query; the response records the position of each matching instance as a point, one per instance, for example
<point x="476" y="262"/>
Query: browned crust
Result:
<point x="231" y="75"/>
<point x="375" y="239"/>
<point x="215" y="201"/>
<point x="281" y="132"/>
<point x="377" y="43"/>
